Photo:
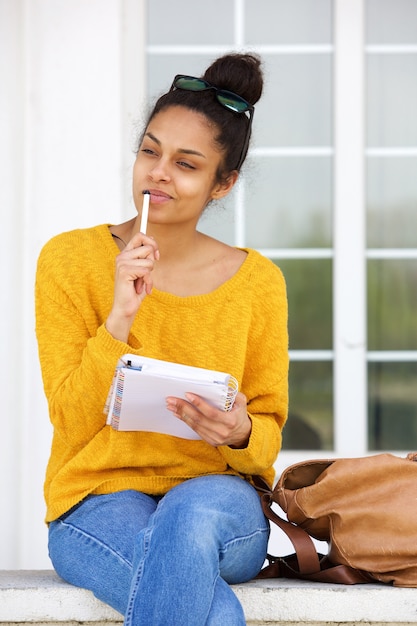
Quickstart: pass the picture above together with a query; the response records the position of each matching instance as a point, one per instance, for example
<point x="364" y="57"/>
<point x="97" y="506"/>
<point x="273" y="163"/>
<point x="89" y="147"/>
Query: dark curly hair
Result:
<point x="239" y="73"/>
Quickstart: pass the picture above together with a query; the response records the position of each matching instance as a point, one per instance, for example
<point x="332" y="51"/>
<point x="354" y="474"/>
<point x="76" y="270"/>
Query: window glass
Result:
<point x="218" y="219"/>
<point x="392" y="100"/>
<point x="309" y="289"/>
<point x="391" y="93"/>
<point x="391" y="21"/>
<point x="310" y="417"/>
<point x="287" y="198"/>
<point x="296" y="107"/>
<point x="392" y="406"/>
<point x="392" y="202"/>
<point x="392" y="304"/>
<point x="288" y="202"/>
<point x="162" y="69"/>
<point x="288" y="22"/>
<point x="190" y="23"/>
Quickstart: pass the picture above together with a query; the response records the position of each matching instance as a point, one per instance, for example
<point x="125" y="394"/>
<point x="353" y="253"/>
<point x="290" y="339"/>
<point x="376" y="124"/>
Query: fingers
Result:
<point x="135" y="263"/>
<point x="143" y="245"/>
<point x="133" y="282"/>
<point x="216" y="427"/>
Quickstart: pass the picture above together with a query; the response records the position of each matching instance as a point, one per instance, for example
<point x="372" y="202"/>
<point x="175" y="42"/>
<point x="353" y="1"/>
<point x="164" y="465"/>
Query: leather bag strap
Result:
<point x="286" y="567"/>
<point x="306" y="563"/>
<point x="308" y="559"/>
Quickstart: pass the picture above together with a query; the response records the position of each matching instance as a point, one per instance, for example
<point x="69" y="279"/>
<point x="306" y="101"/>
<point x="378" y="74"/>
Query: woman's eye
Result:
<point x="148" y="151"/>
<point x="186" y="165"/>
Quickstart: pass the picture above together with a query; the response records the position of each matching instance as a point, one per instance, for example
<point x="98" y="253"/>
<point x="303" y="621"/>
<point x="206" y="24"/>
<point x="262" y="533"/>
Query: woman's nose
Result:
<point x="160" y="171"/>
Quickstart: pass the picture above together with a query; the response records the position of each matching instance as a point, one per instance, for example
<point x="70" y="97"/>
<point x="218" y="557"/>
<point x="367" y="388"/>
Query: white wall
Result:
<point x="71" y="86"/>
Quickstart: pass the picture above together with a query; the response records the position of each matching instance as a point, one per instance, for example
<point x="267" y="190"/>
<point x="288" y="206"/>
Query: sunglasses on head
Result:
<point x="228" y="99"/>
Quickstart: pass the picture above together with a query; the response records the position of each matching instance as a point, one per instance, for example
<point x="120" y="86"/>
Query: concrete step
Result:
<point x="42" y="598"/>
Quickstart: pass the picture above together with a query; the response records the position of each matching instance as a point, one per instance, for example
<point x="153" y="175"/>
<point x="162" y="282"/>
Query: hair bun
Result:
<point x="240" y="73"/>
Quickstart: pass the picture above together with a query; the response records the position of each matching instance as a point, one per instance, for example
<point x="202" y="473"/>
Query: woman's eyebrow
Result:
<point x="181" y="150"/>
<point x="148" y="134"/>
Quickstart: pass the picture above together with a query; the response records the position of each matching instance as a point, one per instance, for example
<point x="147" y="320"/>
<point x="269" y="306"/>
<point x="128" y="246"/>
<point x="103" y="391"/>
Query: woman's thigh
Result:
<point x="220" y="517"/>
<point x="205" y="532"/>
<point x="92" y="546"/>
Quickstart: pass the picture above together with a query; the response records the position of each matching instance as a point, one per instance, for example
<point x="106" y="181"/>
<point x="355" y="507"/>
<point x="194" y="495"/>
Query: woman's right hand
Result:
<point x="133" y="281"/>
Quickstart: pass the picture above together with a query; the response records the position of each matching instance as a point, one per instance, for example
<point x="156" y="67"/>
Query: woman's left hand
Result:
<point x="216" y="427"/>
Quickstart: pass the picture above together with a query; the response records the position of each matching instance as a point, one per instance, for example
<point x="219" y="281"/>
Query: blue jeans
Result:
<point x="167" y="560"/>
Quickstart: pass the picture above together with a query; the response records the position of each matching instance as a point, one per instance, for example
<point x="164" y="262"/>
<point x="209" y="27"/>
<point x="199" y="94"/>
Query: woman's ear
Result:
<point x="222" y="189"/>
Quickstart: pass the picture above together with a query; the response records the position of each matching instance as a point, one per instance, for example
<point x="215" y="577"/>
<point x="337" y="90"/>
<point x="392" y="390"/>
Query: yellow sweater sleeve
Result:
<point x="265" y="372"/>
<point x="77" y="354"/>
<point x="240" y="328"/>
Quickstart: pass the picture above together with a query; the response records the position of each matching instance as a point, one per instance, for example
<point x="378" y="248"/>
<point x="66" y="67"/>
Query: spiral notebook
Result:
<point x="137" y="396"/>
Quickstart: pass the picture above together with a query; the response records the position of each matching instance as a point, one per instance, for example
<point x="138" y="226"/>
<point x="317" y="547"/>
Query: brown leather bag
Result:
<point x="365" y="508"/>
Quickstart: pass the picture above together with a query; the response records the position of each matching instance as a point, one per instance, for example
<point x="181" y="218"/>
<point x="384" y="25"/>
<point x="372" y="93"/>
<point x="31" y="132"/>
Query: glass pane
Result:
<point x="391" y="21"/>
<point x="288" y="114"/>
<point x="218" y="220"/>
<point x="289" y="202"/>
<point x="309" y="288"/>
<point x="392" y="202"/>
<point x="392" y="100"/>
<point x="392" y="304"/>
<point x="296" y="107"/>
<point x="392" y="406"/>
<point x="187" y="22"/>
<point x="310" y="418"/>
<point x="288" y="21"/>
<point x="163" y="67"/>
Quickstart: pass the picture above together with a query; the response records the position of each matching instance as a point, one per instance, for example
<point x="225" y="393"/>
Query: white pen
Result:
<point x="145" y="211"/>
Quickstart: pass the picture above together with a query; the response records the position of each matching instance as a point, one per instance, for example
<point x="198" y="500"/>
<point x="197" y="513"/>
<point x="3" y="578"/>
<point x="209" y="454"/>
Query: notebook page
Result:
<point x="142" y="406"/>
<point x="175" y="370"/>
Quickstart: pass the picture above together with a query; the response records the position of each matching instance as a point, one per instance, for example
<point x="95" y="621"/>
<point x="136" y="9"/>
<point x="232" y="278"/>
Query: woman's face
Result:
<point x="177" y="162"/>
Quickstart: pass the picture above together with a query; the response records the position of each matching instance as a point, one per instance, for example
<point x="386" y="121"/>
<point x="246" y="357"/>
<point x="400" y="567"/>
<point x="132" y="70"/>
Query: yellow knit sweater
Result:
<point x="240" y="328"/>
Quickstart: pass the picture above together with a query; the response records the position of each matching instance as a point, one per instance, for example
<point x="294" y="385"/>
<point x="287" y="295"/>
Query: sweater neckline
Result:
<point x="228" y="286"/>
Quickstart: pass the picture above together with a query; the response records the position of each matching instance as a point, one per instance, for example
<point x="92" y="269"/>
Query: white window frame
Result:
<point x="348" y="252"/>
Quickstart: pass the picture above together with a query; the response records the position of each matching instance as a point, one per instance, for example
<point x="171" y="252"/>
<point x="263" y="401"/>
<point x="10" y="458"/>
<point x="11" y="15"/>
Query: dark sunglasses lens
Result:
<point x="190" y="84"/>
<point x="232" y="102"/>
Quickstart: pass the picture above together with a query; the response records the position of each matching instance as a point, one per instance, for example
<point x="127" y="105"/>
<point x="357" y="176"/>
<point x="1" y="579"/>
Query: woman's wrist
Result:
<point x="118" y="328"/>
<point x="243" y="442"/>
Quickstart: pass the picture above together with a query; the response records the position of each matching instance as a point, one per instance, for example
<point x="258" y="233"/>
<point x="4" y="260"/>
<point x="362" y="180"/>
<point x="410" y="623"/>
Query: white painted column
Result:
<point x="71" y="74"/>
<point x="11" y="262"/>
<point x="349" y="281"/>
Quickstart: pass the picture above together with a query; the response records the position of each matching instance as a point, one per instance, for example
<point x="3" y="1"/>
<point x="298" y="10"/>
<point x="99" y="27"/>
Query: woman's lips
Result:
<point x="158" y="197"/>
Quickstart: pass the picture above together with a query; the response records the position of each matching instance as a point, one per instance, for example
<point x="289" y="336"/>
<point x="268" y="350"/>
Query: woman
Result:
<point x="158" y="526"/>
